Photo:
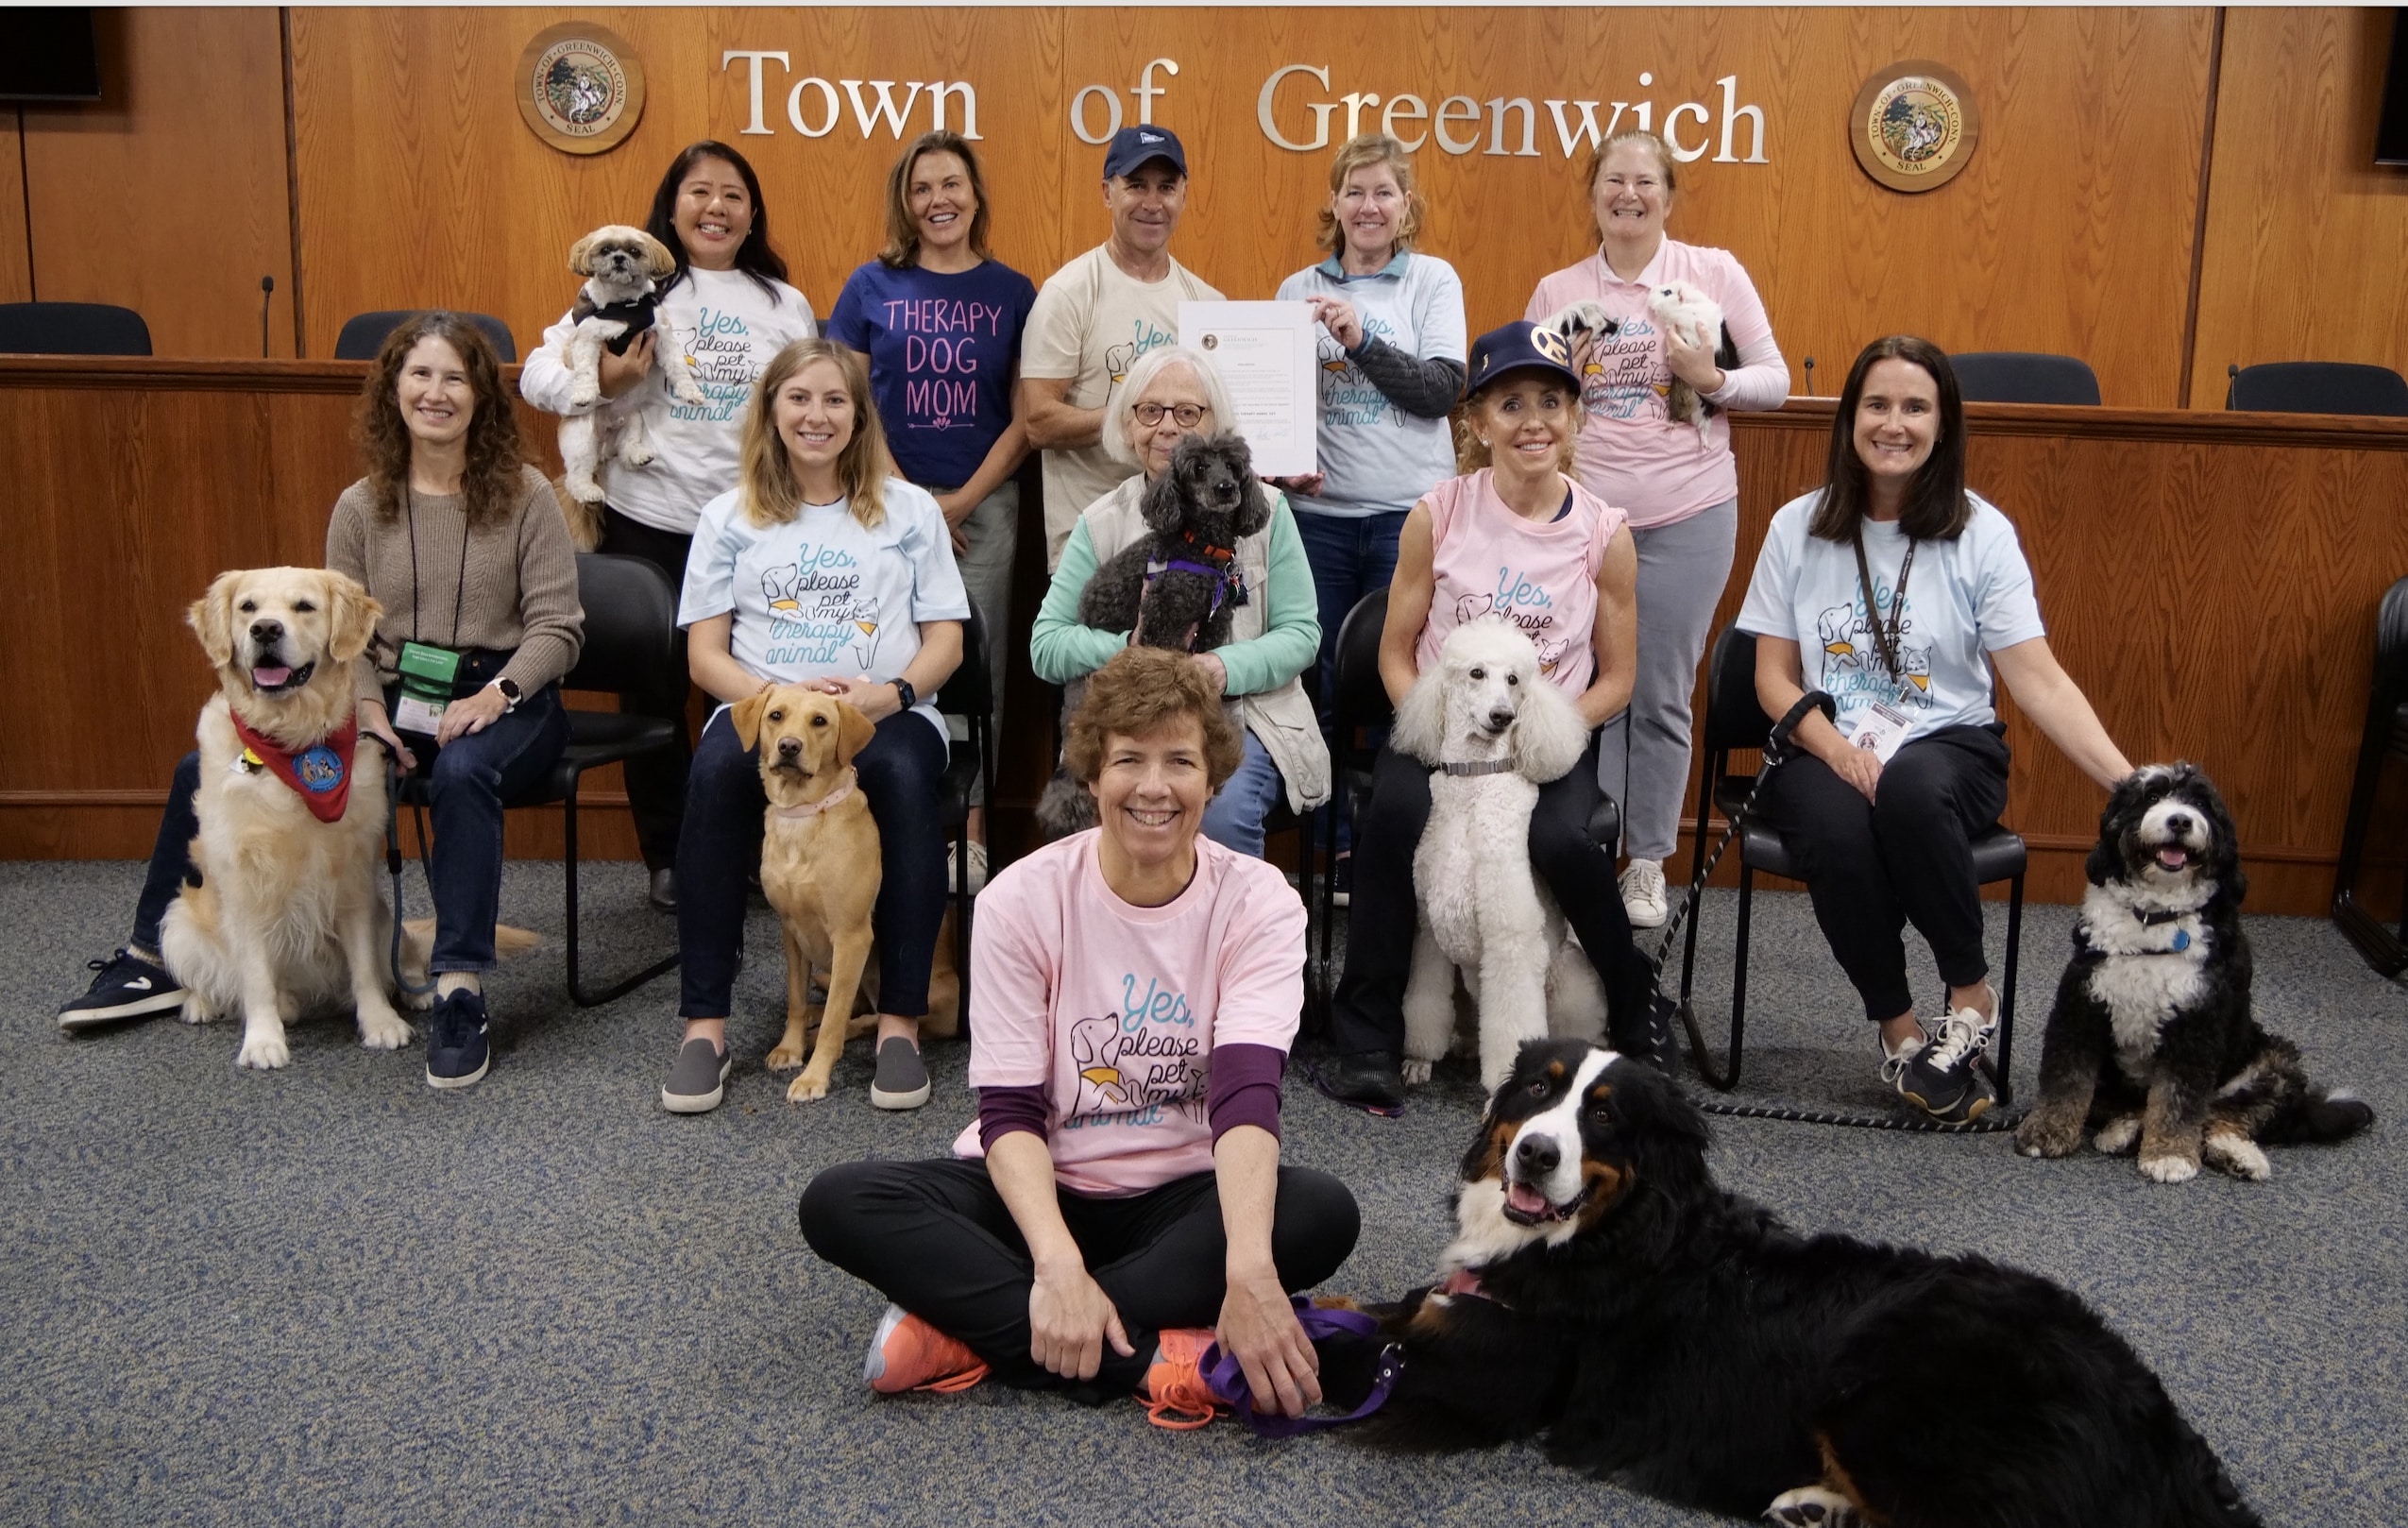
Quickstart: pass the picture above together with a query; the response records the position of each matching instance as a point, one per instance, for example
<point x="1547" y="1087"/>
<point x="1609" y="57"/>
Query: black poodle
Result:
<point x="1178" y="587"/>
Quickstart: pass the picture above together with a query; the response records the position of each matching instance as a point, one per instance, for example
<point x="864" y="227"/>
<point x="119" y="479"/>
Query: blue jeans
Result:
<point x="468" y="782"/>
<point x="722" y="845"/>
<point x="1234" y="818"/>
<point x="1350" y="559"/>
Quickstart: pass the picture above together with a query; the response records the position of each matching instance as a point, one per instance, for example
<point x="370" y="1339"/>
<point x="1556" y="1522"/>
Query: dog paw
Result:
<point x="2169" y="1169"/>
<point x="584" y="392"/>
<point x="1812" y="1507"/>
<point x="2118" y="1135"/>
<point x="2039" y="1137"/>
<point x="383" y="1030"/>
<point x="263" y="1053"/>
<point x="1415" y="1073"/>
<point x="643" y="455"/>
<point x="418" y="1002"/>
<point x="2238" y="1155"/>
<point x="811" y="1086"/>
<point x="785" y="1058"/>
<point x="197" y="1010"/>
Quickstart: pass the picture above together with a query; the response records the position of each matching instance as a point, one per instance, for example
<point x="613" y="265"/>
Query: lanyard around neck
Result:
<point x="1885" y="641"/>
<point x="459" y="593"/>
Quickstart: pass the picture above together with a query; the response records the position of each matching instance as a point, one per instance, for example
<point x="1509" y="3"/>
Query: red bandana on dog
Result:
<point x="320" y="773"/>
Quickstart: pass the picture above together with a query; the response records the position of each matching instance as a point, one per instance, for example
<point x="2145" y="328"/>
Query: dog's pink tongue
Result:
<point x="1526" y="1200"/>
<point x="270" y="678"/>
<point x="2173" y="856"/>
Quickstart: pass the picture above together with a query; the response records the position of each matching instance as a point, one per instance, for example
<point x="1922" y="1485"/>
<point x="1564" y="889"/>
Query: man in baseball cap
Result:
<point x="1097" y="316"/>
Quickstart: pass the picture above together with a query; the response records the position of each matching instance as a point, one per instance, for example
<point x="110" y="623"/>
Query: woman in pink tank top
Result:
<point x="1514" y="538"/>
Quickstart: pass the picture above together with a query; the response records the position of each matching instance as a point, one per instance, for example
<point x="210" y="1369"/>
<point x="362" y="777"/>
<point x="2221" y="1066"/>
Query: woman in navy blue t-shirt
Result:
<point x="937" y="318"/>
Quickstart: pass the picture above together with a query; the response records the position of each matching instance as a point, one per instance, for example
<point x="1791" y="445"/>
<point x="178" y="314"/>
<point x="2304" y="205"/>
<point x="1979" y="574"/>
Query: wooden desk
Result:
<point x="2209" y="578"/>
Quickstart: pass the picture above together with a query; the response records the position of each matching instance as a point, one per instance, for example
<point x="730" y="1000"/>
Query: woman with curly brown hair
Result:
<point x="463" y="545"/>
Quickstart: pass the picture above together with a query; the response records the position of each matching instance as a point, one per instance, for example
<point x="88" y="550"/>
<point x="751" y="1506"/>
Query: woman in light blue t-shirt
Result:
<point x="1887" y="589"/>
<point x="821" y="569"/>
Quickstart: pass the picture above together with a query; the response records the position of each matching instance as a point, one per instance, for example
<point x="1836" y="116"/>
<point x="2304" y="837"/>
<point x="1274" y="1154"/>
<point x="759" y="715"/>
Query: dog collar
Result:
<point x="320" y="773"/>
<point x="2153" y="919"/>
<point x="813" y="809"/>
<point x="1485" y="766"/>
<point x="1218" y="555"/>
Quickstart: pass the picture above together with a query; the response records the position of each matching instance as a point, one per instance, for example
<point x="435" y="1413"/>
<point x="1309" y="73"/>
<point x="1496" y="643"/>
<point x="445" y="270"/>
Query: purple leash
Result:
<point x="1227" y="1376"/>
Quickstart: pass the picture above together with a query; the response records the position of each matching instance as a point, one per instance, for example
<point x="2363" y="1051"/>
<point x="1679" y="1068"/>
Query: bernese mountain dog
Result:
<point x="1603" y="1295"/>
<point x="2152" y="1042"/>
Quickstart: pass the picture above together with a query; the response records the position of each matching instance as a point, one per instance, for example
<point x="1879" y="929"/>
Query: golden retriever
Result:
<point x="819" y="869"/>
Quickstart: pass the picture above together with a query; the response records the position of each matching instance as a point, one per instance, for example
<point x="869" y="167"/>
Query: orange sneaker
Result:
<point x="910" y="1354"/>
<point x="1176" y="1395"/>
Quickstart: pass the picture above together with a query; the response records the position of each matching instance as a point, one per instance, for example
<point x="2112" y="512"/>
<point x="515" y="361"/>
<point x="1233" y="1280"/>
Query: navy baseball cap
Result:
<point x="1517" y="346"/>
<point x="1133" y="146"/>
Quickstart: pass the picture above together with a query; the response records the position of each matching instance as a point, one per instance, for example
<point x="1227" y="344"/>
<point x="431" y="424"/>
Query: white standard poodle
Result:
<point x="1494" y="729"/>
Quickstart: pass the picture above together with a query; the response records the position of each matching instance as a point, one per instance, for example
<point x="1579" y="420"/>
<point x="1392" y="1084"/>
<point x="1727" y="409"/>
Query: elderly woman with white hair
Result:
<point x="1172" y="393"/>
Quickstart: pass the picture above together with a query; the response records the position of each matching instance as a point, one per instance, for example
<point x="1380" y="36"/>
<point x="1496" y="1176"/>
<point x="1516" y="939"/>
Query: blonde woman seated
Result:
<point x="1170" y="394"/>
<point x="1118" y="1204"/>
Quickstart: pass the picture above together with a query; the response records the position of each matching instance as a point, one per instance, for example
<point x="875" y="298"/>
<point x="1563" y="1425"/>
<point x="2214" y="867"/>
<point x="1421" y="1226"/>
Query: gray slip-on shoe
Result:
<point x="902" y="1082"/>
<point x="698" y="1079"/>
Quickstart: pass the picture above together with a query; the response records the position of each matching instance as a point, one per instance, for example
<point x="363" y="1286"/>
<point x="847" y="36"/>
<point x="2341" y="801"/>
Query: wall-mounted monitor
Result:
<point x="48" y="54"/>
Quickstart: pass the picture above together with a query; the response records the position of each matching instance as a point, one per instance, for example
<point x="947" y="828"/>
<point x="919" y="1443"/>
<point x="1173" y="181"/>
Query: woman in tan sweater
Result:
<point x="463" y="545"/>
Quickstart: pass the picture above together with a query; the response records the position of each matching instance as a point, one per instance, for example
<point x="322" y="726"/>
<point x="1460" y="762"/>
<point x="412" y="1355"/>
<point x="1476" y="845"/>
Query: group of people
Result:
<point x="843" y="506"/>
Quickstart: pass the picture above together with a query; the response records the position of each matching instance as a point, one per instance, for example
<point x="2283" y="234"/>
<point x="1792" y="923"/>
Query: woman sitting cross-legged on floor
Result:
<point x="1897" y="582"/>
<point x="1134" y="991"/>
<point x="1514" y="537"/>
<point x="820" y="568"/>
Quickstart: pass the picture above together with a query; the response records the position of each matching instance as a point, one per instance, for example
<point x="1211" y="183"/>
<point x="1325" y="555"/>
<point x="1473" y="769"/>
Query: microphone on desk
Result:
<point x="1809" y="361"/>
<point x="266" y="296"/>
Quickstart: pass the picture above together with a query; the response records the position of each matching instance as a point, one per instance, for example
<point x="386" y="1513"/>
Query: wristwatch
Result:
<point x="903" y="688"/>
<point x="511" y="695"/>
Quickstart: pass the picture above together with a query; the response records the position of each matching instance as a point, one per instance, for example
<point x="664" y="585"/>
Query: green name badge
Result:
<point x="427" y="674"/>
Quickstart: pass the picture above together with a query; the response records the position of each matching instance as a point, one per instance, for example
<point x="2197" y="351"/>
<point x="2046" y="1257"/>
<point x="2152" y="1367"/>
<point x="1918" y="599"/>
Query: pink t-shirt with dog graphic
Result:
<point x="1539" y="574"/>
<point x="1116" y="1010"/>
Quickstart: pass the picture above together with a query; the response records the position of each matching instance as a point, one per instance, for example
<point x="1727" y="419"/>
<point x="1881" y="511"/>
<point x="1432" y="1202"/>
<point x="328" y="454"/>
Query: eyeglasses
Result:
<point x="1188" y="415"/>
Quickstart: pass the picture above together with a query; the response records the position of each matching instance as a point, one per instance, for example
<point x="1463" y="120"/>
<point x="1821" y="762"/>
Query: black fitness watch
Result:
<point x="903" y="688"/>
<point x="511" y="695"/>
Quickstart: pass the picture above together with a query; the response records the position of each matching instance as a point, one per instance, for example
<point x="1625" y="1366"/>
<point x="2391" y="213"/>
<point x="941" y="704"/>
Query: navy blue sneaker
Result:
<point x="128" y="987"/>
<point x="457" y="1055"/>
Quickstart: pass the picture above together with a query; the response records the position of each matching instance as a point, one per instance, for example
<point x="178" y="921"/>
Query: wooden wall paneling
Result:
<point x="16" y="254"/>
<point x="2305" y="233"/>
<point x="171" y="195"/>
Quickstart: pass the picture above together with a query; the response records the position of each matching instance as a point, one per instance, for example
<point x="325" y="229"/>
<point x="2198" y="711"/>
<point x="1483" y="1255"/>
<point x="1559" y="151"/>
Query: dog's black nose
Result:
<point x="267" y="631"/>
<point x="789" y="747"/>
<point x="1538" y="1154"/>
<point x="1499" y="719"/>
<point x="2179" y="823"/>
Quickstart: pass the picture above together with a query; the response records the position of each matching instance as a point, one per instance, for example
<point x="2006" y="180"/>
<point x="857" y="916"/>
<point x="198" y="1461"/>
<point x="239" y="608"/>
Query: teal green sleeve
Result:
<point x="1060" y="648"/>
<point x="1291" y="637"/>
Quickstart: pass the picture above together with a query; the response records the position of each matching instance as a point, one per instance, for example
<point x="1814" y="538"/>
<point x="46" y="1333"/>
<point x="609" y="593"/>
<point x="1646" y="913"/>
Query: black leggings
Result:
<point x="1873" y="866"/>
<point x="935" y="1238"/>
<point x="1367" y="1016"/>
<point x="656" y="780"/>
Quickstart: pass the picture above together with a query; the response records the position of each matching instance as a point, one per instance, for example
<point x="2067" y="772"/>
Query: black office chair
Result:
<point x="1735" y="721"/>
<point x="630" y="618"/>
<point x="363" y="335"/>
<point x="2385" y="736"/>
<point x="969" y="694"/>
<point x="72" y="328"/>
<point x="2317" y="387"/>
<point x="2023" y="376"/>
<point x="1361" y="701"/>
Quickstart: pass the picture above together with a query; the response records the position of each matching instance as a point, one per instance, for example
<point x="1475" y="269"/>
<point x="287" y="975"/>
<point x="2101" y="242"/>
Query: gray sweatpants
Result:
<point x="993" y="531"/>
<point x="1643" y="754"/>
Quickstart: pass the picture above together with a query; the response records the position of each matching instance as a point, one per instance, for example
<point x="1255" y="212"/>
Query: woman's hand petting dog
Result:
<point x="1070" y="1318"/>
<point x="617" y="373"/>
<point x="1258" y="1327"/>
<point x="470" y="714"/>
<point x="876" y="699"/>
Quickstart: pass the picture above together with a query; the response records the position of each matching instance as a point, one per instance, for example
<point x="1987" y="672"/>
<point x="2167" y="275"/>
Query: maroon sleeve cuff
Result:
<point x="1245" y="1088"/>
<point x="1002" y="1111"/>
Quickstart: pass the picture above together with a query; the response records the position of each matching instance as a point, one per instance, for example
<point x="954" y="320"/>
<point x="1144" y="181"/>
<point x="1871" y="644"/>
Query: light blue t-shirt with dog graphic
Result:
<point x="1374" y="456"/>
<point x="821" y="596"/>
<point x="1965" y="599"/>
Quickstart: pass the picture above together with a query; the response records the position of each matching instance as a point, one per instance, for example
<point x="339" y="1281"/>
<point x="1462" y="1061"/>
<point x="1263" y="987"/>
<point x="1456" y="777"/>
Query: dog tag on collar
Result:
<point x="2181" y="939"/>
<point x="1880" y="731"/>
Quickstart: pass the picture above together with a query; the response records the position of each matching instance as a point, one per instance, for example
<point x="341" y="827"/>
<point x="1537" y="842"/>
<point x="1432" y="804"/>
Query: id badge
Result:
<point x="427" y="673"/>
<point x="1880" y="730"/>
<point x="413" y="714"/>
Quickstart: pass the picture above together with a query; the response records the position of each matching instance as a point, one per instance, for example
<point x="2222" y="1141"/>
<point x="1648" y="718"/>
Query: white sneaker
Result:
<point x="1643" y="893"/>
<point x="978" y="867"/>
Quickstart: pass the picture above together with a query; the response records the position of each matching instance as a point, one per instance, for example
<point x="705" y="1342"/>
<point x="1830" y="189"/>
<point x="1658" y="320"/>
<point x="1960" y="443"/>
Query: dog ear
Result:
<point x="854" y="731"/>
<point x="745" y="716"/>
<point x="1254" y="510"/>
<point x="2106" y="861"/>
<point x="1548" y="734"/>
<point x="1421" y="721"/>
<point x="579" y="252"/>
<point x="351" y="619"/>
<point x="212" y="617"/>
<point x="1161" y="506"/>
<point x="658" y="260"/>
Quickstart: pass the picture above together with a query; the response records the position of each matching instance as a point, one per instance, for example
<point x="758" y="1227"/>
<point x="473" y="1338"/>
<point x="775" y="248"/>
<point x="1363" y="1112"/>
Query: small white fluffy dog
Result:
<point x="1682" y="309"/>
<point x="1494" y="729"/>
<point x="623" y="268"/>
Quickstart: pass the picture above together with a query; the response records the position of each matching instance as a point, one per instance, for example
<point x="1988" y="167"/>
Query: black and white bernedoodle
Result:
<point x="1178" y="586"/>
<point x="2153" y="1042"/>
<point x="623" y="267"/>
<point x="1604" y="1295"/>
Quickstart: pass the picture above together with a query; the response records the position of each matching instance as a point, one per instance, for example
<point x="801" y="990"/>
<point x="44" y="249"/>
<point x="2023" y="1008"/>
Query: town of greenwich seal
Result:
<point x="581" y="87"/>
<point x="1914" y="126"/>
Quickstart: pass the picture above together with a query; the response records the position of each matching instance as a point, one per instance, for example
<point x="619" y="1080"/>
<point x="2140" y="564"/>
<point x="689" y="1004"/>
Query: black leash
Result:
<point x="393" y="867"/>
<point x="1663" y="1008"/>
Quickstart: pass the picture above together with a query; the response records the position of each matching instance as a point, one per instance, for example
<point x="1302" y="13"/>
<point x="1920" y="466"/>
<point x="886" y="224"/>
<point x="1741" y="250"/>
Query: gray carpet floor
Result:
<point x="332" y="1295"/>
